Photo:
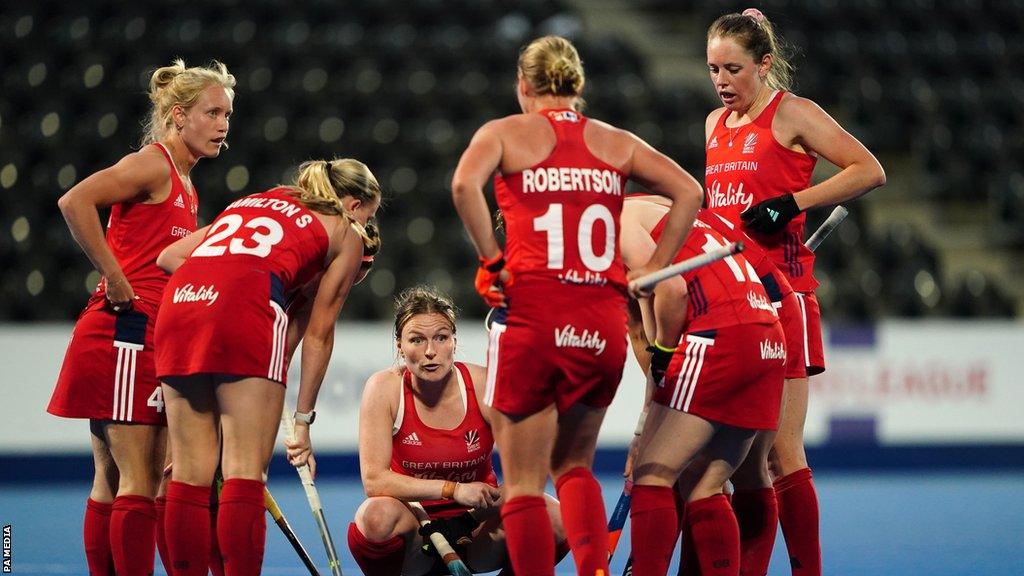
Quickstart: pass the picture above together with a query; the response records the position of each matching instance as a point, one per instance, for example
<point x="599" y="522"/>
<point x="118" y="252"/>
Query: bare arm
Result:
<point x="476" y="166"/>
<point x="668" y="302"/>
<point x="318" y="340"/>
<point x="662" y="176"/>
<point x="172" y="257"/>
<point x="816" y="131"/>
<point x="134" y="178"/>
<point x="377" y="414"/>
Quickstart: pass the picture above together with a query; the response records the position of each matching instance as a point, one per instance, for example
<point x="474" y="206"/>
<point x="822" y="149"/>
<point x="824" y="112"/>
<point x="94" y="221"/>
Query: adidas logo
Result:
<point x="412" y="440"/>
<point x="713" y="143"/>
<point x="180" y="202"/>
<point x="774" y="214"/>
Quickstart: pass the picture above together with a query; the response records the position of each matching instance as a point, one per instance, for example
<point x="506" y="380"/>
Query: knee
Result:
<point x="378" y="518"/>
<point x="786" y="455"/>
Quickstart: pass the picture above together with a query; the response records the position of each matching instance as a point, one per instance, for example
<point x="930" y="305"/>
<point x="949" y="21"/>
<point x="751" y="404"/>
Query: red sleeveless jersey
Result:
<point x="462" y="454"/>
<point x="746" y="165"/>
<point x="138" y="232"/>
<point x="269" y="231"/>
<point x="562" y="215"/>
<point x="725" y="293"/>
<point x="775" y="283"/>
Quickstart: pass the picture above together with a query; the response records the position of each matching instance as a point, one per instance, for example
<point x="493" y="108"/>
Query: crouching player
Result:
<point x="711" y="395"/>
<point x="425" y="436"/>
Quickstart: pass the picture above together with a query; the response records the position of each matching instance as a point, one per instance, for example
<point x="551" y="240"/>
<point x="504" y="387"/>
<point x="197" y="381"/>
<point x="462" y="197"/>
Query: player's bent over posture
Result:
<point x="222" y="347"/>
<point x="425" y="436"/>
<point x="108" y="372"/>
<point x="716" y="377"/>
<point x="556" y="358"/>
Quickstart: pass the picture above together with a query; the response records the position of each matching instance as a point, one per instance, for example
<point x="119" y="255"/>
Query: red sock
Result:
<point x="160" y="505"/>
<point x="758" y="517"/>
<point x="798" y="515"/>
<point x="216" y="562"/>
<point x="376" y="558"/>
<point x="133" y="535"/>
<point x="688" y="564"/>
<point x="716" y="536"/>
<point x="654" y="528"/>
<point x="96" y="535"/>
<point x="187" y="528"/>
<point x="241" y="526"/>
<point x="529" y="537"/>
<point x="586" y="526"/>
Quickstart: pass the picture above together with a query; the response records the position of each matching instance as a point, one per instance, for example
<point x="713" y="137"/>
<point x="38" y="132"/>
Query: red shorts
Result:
<point x="731" y="375"/>
<point x="793" y="325"/>
<point x="556" y="345"/>
<point x="108" y="371"/>
<point x="814" y="351"/>
<point x="223" y="323"/>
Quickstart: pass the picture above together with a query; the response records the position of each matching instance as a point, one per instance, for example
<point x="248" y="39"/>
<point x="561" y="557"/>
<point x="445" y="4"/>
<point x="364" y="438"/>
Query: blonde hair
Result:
<point x="552" y="66"/>
<point x="321" y="184"/>
<point x="176" y="85"/>
<point x="422" y="299"/>
<point x="754" y="32"/>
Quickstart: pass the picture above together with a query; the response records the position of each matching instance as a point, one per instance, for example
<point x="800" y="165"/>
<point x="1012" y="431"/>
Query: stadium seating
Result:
<point x="402" y="85"/>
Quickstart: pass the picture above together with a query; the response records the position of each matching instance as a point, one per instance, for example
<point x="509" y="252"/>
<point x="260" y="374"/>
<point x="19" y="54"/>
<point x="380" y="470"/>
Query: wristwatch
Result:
<point x="307" y="417"/>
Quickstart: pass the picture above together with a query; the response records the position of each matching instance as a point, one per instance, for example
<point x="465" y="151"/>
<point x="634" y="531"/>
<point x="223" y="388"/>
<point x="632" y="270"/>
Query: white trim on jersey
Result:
<point x="401" y="401"/>
<point x="803" y="321"/>
<point x="124" y="381"/>
<point x="401" y="410"/>
<point x="689" y="374"/>
<point x="494" y="341"/>
<point x="277" y="351"/>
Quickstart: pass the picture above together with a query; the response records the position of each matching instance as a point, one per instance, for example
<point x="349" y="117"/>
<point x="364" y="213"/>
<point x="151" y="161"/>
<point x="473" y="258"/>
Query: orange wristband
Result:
<point x="448" y="490"/>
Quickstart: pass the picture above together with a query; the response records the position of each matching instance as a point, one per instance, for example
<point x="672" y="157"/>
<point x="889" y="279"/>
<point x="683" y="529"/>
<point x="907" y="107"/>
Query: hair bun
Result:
<point x="755" y="14"/>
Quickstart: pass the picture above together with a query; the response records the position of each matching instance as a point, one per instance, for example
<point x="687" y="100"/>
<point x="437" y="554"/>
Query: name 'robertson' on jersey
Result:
<point x="572" y="180"/>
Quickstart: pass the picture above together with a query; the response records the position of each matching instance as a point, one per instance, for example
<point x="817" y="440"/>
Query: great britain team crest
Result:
<point x="472" y="439"/>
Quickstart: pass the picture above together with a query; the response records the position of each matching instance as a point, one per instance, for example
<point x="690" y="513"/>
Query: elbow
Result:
<point x="65" y="204"/>
<point x="879" y="177"/>
<point x="372" y="487"/>
<point x="459" y="190"/>
<point x="163" y="261"/>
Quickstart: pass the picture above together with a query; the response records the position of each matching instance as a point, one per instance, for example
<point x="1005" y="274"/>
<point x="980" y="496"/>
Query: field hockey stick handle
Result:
<point x="444" y="549"/>
<point x="649" y="281"/>
<point x="839" y="213"/>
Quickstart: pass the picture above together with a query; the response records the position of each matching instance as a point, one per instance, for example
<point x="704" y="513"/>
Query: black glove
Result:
<point x="659" y="363"/>
<point x="772" y="215"/>
<point x="458" y="531"/>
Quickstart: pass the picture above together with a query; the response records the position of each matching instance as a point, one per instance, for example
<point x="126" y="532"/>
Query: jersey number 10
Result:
<point x="551" y="224"/>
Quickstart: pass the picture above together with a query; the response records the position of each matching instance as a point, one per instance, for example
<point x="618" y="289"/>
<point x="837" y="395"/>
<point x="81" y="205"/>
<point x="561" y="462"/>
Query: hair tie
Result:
<point x="755" y="14"/>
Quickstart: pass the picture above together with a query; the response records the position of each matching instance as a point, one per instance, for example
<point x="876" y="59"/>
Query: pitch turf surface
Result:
<point x="905" y="524"/>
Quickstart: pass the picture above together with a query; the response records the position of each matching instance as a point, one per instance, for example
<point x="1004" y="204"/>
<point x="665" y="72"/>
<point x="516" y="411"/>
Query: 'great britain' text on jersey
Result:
<point x="572" y="180"/>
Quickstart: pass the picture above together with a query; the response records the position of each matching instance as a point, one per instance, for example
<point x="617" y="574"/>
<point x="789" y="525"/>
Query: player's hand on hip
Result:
<point x="476" y="494"/>
<point x="491" y="280"/>
<point x="772" y="215"/>
<point x="119" y="294"/>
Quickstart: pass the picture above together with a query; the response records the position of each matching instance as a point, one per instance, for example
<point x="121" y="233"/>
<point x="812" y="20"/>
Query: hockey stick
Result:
<point x="830" y="224"/>
<point x="618" y="520"/>
<point x="650" y="280"/>
<point x="448" y="555"/>
<point x="314" y="499"/>
<point x="275" y="512"/>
